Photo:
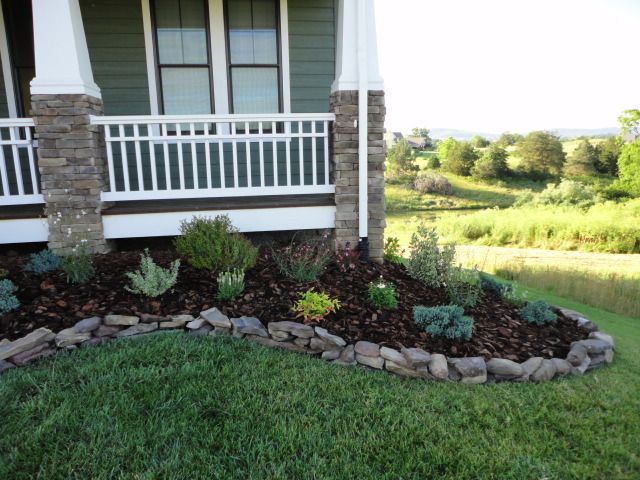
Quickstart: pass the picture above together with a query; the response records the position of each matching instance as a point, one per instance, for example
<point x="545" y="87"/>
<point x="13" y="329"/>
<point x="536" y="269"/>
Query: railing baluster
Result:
<point x="16" y="160"/>
<point x="234" y="144"/>
<point x="261" y="151"/>
<point x="180" y="156"/>
<point x="301" y="151"/>
<point x="152" y="158"/>
<point x="32" y="164"/>
<point x="136" y="135"/>
<point x="326" y="152"/>
<point x="112" y="174"/>
<point x="125" y="161"/>
<point x="223" y="180"/>
<point x="207" y="155"/>
<point x="288" y="150"/>
<point x="3" y="172"/>
<point x="274" y="144"/>
<point x="247" y="146"/>
<point x="314" y="154"/>
<point x="165" y="156"/>
<point x="194" y="160"/>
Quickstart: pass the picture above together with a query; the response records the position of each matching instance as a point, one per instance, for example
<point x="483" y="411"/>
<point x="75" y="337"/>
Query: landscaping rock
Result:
<point x="31" y="340"/>
<point x="608" y="356"/>
<point x="330" y="338"/>
<point x="196" y="324"/>
<point x="302" y="342"/>
<point x="416" y="357"/>
<point x="578" y="318"/>
<point x="402" y="370"/>
<point x="249" y="326"/>
<point x="281" y="336"/>
<point x="205" y="329"/>
<point x="318" y="345"/>
<point x="69" y="336"/>
<point x="347" y="357"/>
<point x="121" y="320"/>
<point x="220" y="332"/>
<point x="504" y="368"/>
<point x="106" y="331"/>
<point x="4" y="341"/>
<point x="577" y="354"/>
<point x="24" y="358"/>
<point x="331" y="355"/>
<point x="545" y="372"/>
<point x="180" y="319"/>
<point x="580" y="369"/>
<point x="563" y="367"/>
<point x="604" y="337"/>
<point x="87" y="325"/>
<point x="137" y="330"/>
<point x="216" y="318"/>
<point x="472" y="369"/>
<point x="438" y="366"/>
<point x="92" y="342"/>
<point x="594" y="346"/>
<point x="4" y="366"/>
<point x="530" y="366"/>
<point x="293" y="328"/>
<point x="172" y="324"/>
<point x="273" y="344"/>
<point x="373" y="362"/>
<point x="394" y="356"/>
<point x="148" y="318"/>
<point x="367" y="349"/>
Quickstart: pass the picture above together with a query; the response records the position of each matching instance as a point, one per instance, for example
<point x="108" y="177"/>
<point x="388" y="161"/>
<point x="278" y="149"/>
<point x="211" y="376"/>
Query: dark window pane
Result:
<point x="185" y="90"/>
<point x="255" y="90"/>
<point x="181" y="31"/>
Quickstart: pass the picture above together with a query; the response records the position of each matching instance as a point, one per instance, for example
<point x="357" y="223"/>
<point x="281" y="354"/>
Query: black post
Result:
<point x="363" y="248"/>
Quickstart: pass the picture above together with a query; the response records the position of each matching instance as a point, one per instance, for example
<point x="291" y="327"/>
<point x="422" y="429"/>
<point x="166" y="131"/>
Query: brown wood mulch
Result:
<point x="499" y="331"/>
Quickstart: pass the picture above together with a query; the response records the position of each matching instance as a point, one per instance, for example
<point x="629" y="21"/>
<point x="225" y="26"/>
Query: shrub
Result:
<point x="215" y="244"/>
<point x="43" y="262"/>
<point x="392" y="251"/>
<point x="567" y="192"/>
<point x="230" y="284"/>
<point x="492" y="164"/>
<point x="517" y="299"/>
<point x="432" y="163"/>
<point x="8" y="301"/>
<point x="152" y="280"/>
<point x="314" y="306"/>
<point x="429" y="263"/>
<point x="382" y="294"/>
<point x="538" y="313"/>
<point x="460" y="159"/>
<point x="446" y="321"/>
<point x="402" y="162"/>
<point x="463" y="286"/>
<point x="347" y="258"/>
<point x="433" y="183"/>
<point x="490" y="284"/>
<point x="78" y="266"/>
<point x="304" y="261"/>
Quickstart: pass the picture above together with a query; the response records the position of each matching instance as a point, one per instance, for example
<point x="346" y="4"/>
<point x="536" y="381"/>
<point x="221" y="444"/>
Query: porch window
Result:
<point x="183" y="59"/>
<point x="253" y="53"/>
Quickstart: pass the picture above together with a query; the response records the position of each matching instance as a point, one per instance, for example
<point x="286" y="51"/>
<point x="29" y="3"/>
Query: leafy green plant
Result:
<point x="230" y="284"/>
<point x="382" y="294"/>
<point x="314" y="306"/>
<point x="43" y="262"/>
<point x="8" y="301"/>
<point x="429" y="263"/>
<point x="538" y="313"/>
<point x="446" y="321"/>
<point x="215" y="244"/>
<point x="152" y="280"/>
<point x="490" y="284"/>
<point x="78" y="265"/>
<point x="392" y="251"/>
<point x="463" y="286"/>
<point x="303" y="261"/>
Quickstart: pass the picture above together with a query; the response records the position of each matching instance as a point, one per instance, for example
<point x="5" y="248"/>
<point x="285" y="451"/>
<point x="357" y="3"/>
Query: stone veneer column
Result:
<point x="72" y="169"/>
<point x="345" y="166"/>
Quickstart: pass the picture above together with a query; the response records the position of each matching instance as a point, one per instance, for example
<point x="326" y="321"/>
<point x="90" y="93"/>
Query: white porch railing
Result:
<point x="196" y="156"/>
<point x="19" y="179"/>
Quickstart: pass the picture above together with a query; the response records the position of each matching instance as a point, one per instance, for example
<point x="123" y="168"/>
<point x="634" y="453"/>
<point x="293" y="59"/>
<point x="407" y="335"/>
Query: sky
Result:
<point x="508" y="65"/>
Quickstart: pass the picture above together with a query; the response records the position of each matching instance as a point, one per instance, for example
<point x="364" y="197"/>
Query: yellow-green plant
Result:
<point x="314" y="306"/>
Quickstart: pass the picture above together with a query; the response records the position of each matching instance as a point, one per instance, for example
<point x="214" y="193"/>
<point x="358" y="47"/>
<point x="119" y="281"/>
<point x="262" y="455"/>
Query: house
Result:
<point x="391" y="138"/>
<point x="120" y="118"/>
<point x="416" y="143"/>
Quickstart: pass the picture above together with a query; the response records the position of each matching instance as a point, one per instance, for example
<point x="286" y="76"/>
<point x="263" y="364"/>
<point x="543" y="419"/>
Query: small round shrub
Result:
<point x="463" y="286"/>
<point x="538" y="313"/>
<point x="446" y="321"/>
<point x="8" y="301"/>
<point x="382" y="294"/>
<point x="215" y="244"/>
<point x="314" y="306"/>
<point x="152" y="280"/>
<point x="432" y="163"/>
<point x="490" y="284"/>
<point x="433" y="183"/>
<point x="43" y="262"/>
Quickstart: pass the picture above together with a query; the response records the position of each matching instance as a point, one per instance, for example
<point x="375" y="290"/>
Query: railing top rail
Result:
<point x="16" y="122"/>
<point x="233" y="118"/>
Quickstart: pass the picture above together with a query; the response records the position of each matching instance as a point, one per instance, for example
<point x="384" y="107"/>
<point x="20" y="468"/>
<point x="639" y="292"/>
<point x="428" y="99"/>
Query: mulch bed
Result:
<point x="48" y="301"/>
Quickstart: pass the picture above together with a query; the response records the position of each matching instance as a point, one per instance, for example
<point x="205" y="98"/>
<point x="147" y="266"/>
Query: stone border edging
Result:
<point x="584" y="355"/>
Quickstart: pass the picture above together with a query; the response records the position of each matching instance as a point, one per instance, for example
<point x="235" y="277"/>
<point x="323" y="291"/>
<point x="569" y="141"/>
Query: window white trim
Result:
<point x="154" y="104"/>
<point x="284" y="56"/>
<point x="6" y="68"/>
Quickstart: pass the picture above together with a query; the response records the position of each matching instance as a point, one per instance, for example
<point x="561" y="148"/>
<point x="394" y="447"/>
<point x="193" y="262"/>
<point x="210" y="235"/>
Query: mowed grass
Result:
<point x="179" y="406"/>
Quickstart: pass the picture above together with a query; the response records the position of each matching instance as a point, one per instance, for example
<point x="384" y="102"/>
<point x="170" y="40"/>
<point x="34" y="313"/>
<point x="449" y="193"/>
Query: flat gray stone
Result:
<point x="196" y="324"/>
<point x="504" y="367"/>
<point x="205" y="329"/>
<point x="249" y="326"/>
<point x="182" y="319"/>
<point x="330" y="338"/>
<point x="416" y="357"/>
<point x="216" y="318"/>
<point x="331" y="355"/>
<point x="281" y="336"/>
<point x="580" y="369"/>
<point x="318" y="345"/>
<point x="530" y="366"/>
<point x="69" y="336"/>
<point x="563" y="367"/>
<point x="92" y="342"/>
<point x="138" y="329"/>
<point x="293" y="328"/>
<point x="545" y="372"/>
<point x="577" y="354"/>
<point x="106" y="330"/>
<point x="608" y="356"/>
<point x="273" y="344"/>
<point x="29" y="341"/>
<point x="220" y="332"/>
<point x="171" y="325"/>
<point x="402" y="370"/>
<point x="24" y="358"/>
<point x="394" y="356"/>
<point x="347" y="357"/>
<point x="87" y="325"/>
<point x="438" y="366"/>
<point x="367" y="349"/>
<point x="470" y="366"/>
<point x="604" y="337"/>
<point x="373" y="362"/>
<point x="149" y="318"/>
<point x="302" y="342"/>
<point x="4" y="341"/>
<point x="4" y="366"/>
<point x="121" y="320"/>
<point x="594" y="346"/>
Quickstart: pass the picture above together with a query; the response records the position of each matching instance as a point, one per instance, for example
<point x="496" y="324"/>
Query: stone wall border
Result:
<point x="594" y="352"/>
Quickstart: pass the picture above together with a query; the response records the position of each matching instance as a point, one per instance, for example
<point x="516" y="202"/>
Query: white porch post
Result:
<point x="61" y="54"/>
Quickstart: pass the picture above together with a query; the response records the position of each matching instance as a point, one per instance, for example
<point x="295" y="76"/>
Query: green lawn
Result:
<point x="178" y="406"/>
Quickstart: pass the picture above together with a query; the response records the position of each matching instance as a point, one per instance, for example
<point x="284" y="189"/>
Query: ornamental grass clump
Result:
<point x="463" y="286"/>
<point x="447" y="321"/>
<point x="303" y="261"/>
<point x="230" y="284"/>
<point x="314" y="306"/>
<point x="215" y="244"/>
<point x="152" y="280"/>
<point x="78" y="265"/>
<point x="538" y="313"/>
<point x="8" y="301"/>
<point x="382" y="294"/>
<point x="429" y="263"/>
<point x="392" y="251"/>
<point x="43" y="262"/>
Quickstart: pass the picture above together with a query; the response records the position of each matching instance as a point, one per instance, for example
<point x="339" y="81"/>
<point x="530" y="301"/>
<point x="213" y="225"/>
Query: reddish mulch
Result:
<point x="48" y="301"/>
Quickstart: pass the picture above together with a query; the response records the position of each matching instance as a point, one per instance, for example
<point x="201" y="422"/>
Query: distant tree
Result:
<point x="480" y="142"/>
<point x="629" y="167"/>
<point x="541" y="154"/>
<point x="492" y="164"/>
<point x="424" y="134"/>
<point x="444" y="147"/>
<point x="460" y="159"/>
<point x="630" y="122"/>
<point x="433" y="162"/>
<point x="608" y="153"/>
<point x="582" y="161"/>
<point x="402" y="162"/>
<point x="508" y="139"/>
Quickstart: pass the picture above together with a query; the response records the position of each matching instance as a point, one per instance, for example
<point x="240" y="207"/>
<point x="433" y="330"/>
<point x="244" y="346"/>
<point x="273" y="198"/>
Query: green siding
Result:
<point x="115" y="37"/>
<point x="312" y="39"/>
<point x="4" y="108"/>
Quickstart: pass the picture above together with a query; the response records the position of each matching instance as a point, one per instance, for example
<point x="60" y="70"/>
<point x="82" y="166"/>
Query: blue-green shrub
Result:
<point x="490" y="284"/>
<point x="43" y="262"/>
<point x="8" y="301"/>
<point x="538" y="313"/>
<point x="446" y="321"/>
